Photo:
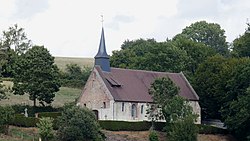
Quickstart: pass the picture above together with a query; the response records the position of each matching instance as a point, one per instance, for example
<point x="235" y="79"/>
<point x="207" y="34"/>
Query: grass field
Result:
<point x="65" y="95"/>
<point x="61" y="62"/>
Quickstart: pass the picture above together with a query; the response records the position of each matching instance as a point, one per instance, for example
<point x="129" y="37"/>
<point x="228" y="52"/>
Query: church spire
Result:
<point x="102" y="58"/>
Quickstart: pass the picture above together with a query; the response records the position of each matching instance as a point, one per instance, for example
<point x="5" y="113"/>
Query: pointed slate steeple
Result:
<point x="102" y="58"/>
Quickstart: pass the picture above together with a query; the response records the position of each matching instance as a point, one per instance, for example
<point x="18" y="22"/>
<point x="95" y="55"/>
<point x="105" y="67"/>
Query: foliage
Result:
<point x="241" y="45"/>
<point x="196" y="51"/>
<point x="210" y="34"/>
<point x="21" y="120"/>
<point x="162" y="90"/>
<point x="45" y="128"/>
<point x="7" y="115"/>
<point x="206" y="80"/>
<point x="238" y="117"/>
<point x="153" y="136"/>
<point x="77" y="124"/>
<point x="206" y="129"/>
<point x="2" y="92"/>
<point x="12" y="43"/>
<point x="124" y="125"/>
<point x="74" y="76"/>
<point x="183" y="130"/>
<point x="150" y="55"/>
<point x="36" y="74"/>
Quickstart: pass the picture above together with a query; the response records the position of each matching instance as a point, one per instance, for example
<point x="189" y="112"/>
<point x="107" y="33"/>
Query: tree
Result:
<point x="74" y="76"/>
<point x="37" y="75"/>
<point x="150" y="55"/>
<point x="78" y="124"/>
<point x="241" y="45"/>
<point x="196" y="51"/>
<point x="45" y="128"/>
<point x="238" y="119"/>
<point x="13" y="42"/>
<point x="6" y="114"/>
<point x="175" y="109"/>
<point x="210" y="34"/>
<point x="206" y="80"/>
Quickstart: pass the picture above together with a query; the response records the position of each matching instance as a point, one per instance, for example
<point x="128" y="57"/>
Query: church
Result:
<point x="122" y="94"/>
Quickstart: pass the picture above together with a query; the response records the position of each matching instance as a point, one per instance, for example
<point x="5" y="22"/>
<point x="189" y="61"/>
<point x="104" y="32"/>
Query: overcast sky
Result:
<point x="72" y="28"/>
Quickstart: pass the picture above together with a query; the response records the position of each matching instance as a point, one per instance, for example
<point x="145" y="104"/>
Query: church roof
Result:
<point x="102" y="53"/>
<point x="133" y="85"/>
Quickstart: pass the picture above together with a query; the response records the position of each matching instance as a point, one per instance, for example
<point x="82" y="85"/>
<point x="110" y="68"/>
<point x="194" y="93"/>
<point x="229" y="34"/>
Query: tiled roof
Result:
<point x="133" y="85"/>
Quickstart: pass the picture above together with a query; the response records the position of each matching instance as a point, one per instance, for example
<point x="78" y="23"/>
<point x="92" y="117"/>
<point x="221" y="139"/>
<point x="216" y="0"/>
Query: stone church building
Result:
<point x="122" y="94"/>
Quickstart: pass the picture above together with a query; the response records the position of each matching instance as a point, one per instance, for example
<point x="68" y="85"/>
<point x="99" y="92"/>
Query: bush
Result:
<point x="45" y="128"/>
<point x="206" y="129"/>
<point x="53" y="115"/>
<point x="77" y="124"/>
<point x="21" y="120"/>
<point x="6" y="116"/>
<point x="153" y="136"/>
<point x="183" y="130"/>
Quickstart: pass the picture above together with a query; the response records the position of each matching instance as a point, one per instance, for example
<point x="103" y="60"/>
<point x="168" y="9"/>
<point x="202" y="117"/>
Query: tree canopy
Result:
<point x="241" y="45"/>
<point x="150" y="55"/>
<point x="210" y="34"/>
<point x="37" y="75"/>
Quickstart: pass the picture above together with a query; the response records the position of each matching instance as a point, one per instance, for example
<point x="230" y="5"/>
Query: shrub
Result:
<point x="53" y="115"/>
<point x="183" y="130"/>
<point x="153" y="136"/>
<point x="6" y="116"/>
<point x="45" y="128"/>
<point x="77" y="124"/>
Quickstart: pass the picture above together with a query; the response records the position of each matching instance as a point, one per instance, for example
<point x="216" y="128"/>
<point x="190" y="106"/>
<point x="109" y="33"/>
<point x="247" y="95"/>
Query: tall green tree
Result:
<point x="206" y="80"/>
<point x="150" y="55"/>
<point x="241" y="45"/>
<point x="37" y="75"/>
<point x="13" y="43"/>
<point x="196" y="51"/>
<point x="210" y="34"/>
<point x="175" y="109"/>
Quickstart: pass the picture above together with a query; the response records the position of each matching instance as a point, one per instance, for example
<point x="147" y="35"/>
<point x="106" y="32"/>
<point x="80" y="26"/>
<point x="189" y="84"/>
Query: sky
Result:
<point x="72" y="28"/>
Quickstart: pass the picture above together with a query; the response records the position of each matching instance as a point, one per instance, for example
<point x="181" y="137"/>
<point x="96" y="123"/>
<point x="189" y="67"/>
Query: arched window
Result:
<point x="104" y="104"/>
<point x="133" y="111"/>
<point x="141" y="109"/>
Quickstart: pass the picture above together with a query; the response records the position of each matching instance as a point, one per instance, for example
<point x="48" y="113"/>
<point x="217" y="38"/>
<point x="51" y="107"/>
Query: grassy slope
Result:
<point x="61" y="62"/>
<point x="63" y="96"/>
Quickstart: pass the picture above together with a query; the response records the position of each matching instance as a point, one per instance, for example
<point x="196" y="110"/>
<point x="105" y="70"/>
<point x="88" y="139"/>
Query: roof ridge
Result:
<point x="146" y="71"/>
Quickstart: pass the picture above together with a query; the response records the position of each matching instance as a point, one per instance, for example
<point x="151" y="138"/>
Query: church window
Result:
<point x="133" y="111"/>
<point x="141" y="109"/>
<point x="85" y="104"/>
<point x="122" y="106"/>
<point x="104" y="104"/>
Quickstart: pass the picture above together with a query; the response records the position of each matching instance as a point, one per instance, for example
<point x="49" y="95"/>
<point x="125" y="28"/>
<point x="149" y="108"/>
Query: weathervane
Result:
<point x="102" y="20"/>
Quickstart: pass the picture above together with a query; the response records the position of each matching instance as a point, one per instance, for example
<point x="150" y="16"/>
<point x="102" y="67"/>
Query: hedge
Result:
<point x="21" y="120"/>
<point x="130" y="126"/>
<point x="206" y="129"/>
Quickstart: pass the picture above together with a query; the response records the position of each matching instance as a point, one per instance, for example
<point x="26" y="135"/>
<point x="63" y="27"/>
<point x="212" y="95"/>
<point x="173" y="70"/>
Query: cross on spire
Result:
<point x="102" y="20"/>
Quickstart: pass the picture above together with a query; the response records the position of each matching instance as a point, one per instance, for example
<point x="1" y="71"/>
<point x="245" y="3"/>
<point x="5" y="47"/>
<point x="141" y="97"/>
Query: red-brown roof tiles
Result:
<point x="133" y="85"/>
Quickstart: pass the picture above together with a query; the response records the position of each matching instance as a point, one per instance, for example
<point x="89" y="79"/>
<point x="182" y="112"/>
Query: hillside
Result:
<point x="61" y="62"/>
